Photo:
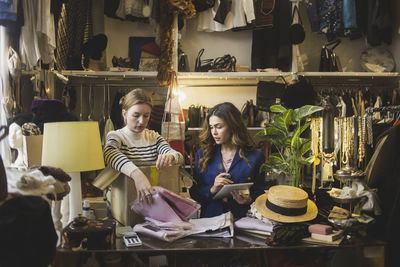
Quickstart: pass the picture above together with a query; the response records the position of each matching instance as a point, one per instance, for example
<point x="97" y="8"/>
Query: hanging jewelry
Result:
<point x="370" y="137"/>
<point x="361" y="143"/>
<point x="315" y="142"/>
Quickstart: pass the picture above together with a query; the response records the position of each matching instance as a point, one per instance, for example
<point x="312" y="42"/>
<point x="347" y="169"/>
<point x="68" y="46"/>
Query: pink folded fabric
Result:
<point x="167" y="206"/>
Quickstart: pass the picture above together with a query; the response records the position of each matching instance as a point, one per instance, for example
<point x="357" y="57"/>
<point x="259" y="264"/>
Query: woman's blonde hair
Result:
<point x="236" y="125"/>
<point x="134" y="97"/>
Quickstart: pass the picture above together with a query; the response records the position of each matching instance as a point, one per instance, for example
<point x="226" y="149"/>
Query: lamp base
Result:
<point x="75" y="196"/>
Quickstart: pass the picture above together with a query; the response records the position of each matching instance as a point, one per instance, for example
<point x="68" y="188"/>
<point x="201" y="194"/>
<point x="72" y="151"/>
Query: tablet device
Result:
<point x="228" y="188"/>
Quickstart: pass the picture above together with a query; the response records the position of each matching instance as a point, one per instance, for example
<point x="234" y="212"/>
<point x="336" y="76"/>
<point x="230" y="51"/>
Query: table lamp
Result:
<point x="74" y="147"/>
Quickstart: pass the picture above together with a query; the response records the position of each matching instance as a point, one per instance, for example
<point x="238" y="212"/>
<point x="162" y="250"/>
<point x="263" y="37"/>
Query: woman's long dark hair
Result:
<point x="235" y="123"/>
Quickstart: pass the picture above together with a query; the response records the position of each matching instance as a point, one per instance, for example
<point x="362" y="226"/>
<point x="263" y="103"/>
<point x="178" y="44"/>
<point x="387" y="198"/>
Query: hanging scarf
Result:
<point x="183" y="8"/>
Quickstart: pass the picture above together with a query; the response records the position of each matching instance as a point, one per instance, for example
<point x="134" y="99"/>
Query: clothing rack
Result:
<point x="371" y="110"/>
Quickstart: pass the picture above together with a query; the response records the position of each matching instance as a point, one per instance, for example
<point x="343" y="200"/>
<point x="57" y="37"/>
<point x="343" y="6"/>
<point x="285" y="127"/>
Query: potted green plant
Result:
<point x="285" y="133"/>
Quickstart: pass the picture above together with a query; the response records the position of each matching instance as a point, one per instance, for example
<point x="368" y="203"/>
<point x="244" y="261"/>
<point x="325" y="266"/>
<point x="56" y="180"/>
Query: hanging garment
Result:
<point x="13" y="27"/>
<point x="242" y="12"/>
<point x="330" y="17"/>
<point x="46" y="32"/>
<point x="349" y="14"/>
<point x="110" y="7"/>
<point x="108" y="127"/>
<point x="116" y="111"/>
<point x="379" y="22"/>
<point x="264" y="11"/>
<point x="312" y="13"/>
<point x="223" y="10"/>
<point x="28" y="42"/>
<point x="8" y="9"/>
<point x="271" y="47"/>
<point x="102" y="123"/>
<point x="70" y="34"/>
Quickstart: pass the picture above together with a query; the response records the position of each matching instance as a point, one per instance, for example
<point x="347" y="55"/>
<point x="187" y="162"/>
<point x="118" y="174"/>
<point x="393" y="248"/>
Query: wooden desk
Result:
<point x="240" y="250"/>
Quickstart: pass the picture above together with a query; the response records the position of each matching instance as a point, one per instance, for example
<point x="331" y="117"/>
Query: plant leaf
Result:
<point x="306" y="111"/>
<point x="305" y="146"/>
<point x="304" y="127"/>
<point x="284" y="120"/>
<point x="277" y="108"/>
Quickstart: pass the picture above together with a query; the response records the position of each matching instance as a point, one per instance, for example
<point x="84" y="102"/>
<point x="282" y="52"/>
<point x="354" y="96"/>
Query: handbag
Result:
<point x="173" y="130"/>
<point x="196" y="115"/>
<point x="299" y="93"/>
<point x="203" y="65"/>
<point x="226" y="63"/>
<point x="268" y="94"/>
<point x="296" y="30"/>
<point x="328" y="60"/>
<point x="166" y="207"/>
<point x="249" y="113"/>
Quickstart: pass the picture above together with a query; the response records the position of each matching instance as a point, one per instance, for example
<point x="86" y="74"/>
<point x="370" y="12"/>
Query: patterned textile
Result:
<point x="29" y="128"/>
<point x="70" y="34"/>
<point x="330" y="16"/>
<point x="264" y="11"/>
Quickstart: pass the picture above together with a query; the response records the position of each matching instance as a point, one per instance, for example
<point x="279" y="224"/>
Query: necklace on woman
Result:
<point x="227" y="158"/>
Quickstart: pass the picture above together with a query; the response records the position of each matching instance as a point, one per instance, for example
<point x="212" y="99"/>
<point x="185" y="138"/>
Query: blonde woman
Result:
<point x="135" y="145"/>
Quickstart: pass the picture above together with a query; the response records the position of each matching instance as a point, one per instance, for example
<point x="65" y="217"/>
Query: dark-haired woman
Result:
<point x="227" y="156"/>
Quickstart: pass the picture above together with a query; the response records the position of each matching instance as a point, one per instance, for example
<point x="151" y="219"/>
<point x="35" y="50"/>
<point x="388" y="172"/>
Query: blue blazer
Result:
<point x="240" y="171"/>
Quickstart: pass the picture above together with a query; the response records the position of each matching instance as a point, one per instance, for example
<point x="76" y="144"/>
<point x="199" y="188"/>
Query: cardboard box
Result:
<point x="123" y="191"/>
<point x="32" y="149"/>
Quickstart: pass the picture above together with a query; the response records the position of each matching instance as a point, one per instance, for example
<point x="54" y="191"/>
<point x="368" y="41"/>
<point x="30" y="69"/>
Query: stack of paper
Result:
<point x="255" y="227"/>
<point x="218" y="226"/>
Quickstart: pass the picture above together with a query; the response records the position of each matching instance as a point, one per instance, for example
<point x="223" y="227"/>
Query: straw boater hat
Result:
<point x="286" y="204"/>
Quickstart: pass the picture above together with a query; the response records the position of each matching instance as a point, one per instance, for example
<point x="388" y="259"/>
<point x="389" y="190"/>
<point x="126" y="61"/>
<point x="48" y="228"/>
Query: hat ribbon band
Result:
<point x="286" y="211"/>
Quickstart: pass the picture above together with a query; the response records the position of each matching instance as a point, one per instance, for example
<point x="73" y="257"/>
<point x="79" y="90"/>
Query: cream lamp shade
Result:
<point x="74" y="147"/>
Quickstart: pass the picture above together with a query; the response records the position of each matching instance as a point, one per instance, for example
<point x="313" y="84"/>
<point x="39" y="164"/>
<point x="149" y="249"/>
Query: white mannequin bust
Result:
<point x="16" y="141"/>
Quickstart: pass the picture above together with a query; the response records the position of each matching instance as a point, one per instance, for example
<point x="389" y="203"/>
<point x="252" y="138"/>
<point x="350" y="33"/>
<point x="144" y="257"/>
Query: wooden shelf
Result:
<point x="319" y="79"/>
<point x="113" y="78"/>
<point x="248" y="128"/>
<point x="110" y="74"/>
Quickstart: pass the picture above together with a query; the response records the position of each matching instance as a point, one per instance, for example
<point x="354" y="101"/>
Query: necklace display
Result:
<point x="350" y="144"/>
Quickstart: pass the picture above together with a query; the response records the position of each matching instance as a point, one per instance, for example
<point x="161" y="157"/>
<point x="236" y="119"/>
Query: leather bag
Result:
<point x="226" y="63"/>
<point x="203" y="65"/>
<point x="268" y="94"/>
<point x="296" y="30"/>
<point x="328" y="61"/>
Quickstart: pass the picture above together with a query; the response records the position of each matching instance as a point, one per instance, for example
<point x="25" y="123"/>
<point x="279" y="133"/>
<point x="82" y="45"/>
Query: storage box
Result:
<point x="95" y="234"/>
<point x="123" y="191"/>
<point x="32" y="148"/>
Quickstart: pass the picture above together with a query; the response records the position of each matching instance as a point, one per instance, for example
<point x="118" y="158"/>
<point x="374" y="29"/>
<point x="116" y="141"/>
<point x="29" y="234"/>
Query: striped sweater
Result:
<point x="125" y="150"/>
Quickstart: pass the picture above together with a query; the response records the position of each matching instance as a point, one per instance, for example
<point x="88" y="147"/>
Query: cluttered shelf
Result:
<point x="204" y="79"/>
<point x="252" y="78"/>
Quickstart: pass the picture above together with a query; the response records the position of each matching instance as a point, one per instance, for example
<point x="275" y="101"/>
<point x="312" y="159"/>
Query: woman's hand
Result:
<point x="164" y="160"/>
<point x="220" y="181"/>
<point x="240" y="197"/>
<point x="143" y="187"/>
